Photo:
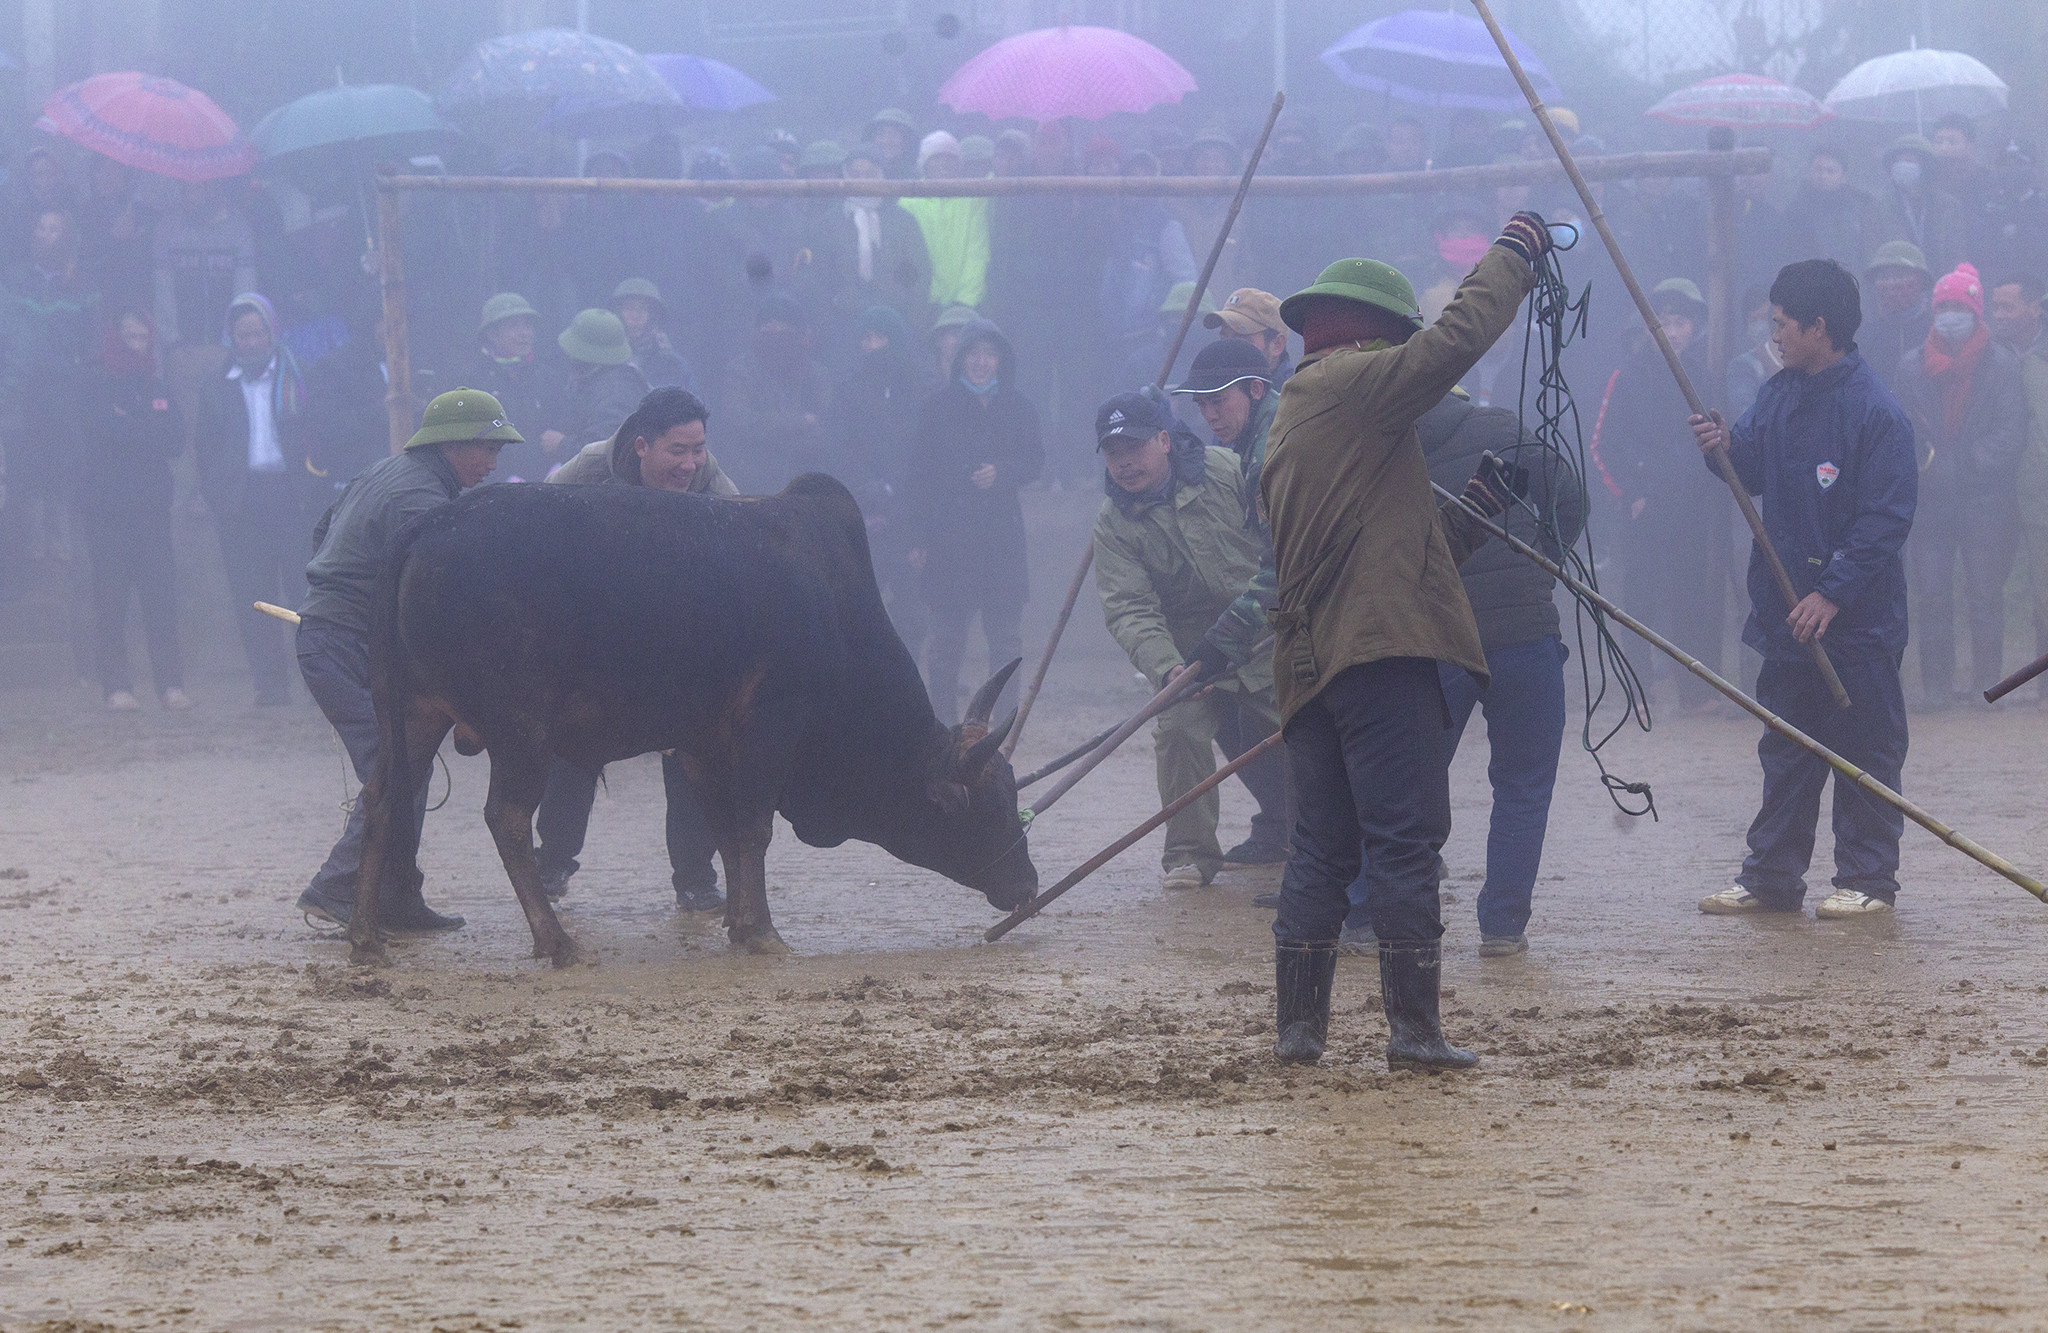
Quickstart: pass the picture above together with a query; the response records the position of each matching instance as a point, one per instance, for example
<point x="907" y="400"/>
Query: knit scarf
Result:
<point x="1955" y="372"/>
<point x="867" y="229"/>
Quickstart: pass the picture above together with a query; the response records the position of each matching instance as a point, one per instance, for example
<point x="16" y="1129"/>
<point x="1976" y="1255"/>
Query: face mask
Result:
<point x="1906" y="174"/>
<point x="1955" y="326"/>
<point x="1462" y="251"/>
<point x="1758" y="330"/>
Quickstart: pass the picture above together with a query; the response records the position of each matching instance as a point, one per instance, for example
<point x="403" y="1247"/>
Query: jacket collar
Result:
<point x="437" y="463"/>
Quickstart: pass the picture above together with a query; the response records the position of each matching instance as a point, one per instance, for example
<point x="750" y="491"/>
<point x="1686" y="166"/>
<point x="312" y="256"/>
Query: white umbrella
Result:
<point x="1915" y="85"/>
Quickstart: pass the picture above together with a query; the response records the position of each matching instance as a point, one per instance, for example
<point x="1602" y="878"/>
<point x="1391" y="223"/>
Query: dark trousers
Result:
<point x="1238" y="729"/>
<point x="1002" y="620"/>
<point x="1524" y="708"/>
<point x="1372" y="791"/>
<point x="131" y="558"/>
<point x="563" y="820"/>
<point x="1870" y="733"/>
<point x="1984" y="539"/>
<point x="265" y="545"/>
<point x="335" y="664"/>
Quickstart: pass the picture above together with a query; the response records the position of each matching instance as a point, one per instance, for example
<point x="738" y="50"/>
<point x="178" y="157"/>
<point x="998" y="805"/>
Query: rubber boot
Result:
<point x="1409" y="973"/>
<point x="1302" y="974"/>
<point x="406" y="913"/>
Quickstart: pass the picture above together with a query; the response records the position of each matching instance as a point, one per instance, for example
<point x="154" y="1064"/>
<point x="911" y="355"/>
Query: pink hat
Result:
<point x="1961" y="287"/>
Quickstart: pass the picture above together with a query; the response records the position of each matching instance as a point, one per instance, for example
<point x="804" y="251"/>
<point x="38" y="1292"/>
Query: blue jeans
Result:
<point x="1372" y="797"/>
<point x="1524" y="707"/>
<point x="564" y="818"/>
<point x="335" y="664"/>
<point x="1870" y="733"/>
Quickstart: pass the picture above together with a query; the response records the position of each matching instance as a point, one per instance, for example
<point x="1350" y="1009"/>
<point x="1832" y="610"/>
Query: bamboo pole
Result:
<point x="1615" y="166"/>
<point x="1656" y="327"/>
<point x="1102" y="858"/>
<point x="398" y="404"/>
<point x="2016" y="679"/>
<point x="1169" y="694"/>
<point x="1187" y="320"/>
<point x="1843" y="768"/>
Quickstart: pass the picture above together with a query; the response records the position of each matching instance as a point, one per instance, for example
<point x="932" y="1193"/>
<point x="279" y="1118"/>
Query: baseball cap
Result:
<point x="1133" y="415"/>
<point x="1223" y="363"/>
<point x="1247" y="310"/>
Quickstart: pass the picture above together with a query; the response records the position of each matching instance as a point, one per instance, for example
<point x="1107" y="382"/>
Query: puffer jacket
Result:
<point x="613" y="460"/>
<point x="1510" y="594"/>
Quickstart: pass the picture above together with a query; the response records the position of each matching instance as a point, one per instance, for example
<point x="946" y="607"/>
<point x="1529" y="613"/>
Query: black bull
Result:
<point x="601" y="622"/>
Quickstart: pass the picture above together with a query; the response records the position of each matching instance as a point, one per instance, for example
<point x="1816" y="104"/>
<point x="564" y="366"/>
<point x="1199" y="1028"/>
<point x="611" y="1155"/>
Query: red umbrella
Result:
<point x="1743" y="102"/>
<point x="154" y="124"/>
<point x="1083" y="72"/>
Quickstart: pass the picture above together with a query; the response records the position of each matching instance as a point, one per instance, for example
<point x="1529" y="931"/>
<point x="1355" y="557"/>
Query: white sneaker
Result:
<point x="1182" y="877"/>
<point x="121" y="701"/>
<point x="1846" y="904"/>
<point x="176" y="699"/>
<point x="1733" y="901"/>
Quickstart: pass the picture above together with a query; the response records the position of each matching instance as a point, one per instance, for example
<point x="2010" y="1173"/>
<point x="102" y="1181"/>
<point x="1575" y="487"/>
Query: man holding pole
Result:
<point x="1369" y="602"/>
<point x="1831" y="453"/>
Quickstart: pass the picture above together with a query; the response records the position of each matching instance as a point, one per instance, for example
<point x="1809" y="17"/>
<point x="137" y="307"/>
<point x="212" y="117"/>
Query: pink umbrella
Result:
<point x="1743" y="102"/>
<point x="153" y="124"/>
<point x="1087" y="73"/>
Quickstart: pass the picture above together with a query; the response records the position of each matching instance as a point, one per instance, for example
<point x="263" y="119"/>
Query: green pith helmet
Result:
<point x="1176" y="301"/>
<point x="824" y="153"/>
<point x="643" y="289"/>
<point x="504" y="306"/>
<point x="596" y="337"/>
<point x="1366" y="280"/>
<point x="461" y="415"/>
<point x="1682" y="292"/>
<point x="1899" y="254"/>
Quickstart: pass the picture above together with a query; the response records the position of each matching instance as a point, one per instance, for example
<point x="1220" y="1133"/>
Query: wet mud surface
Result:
<point x="214" y="1122"/>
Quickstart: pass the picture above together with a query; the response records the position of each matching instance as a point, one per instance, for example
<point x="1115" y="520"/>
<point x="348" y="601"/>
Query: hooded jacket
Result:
<point x="973" y="539"/>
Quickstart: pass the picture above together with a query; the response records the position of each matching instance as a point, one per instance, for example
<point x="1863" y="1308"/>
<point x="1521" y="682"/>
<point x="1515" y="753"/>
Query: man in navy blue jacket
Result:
<point x="1831" y="453"/>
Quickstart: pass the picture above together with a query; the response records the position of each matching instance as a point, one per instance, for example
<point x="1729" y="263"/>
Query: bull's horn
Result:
<point x="984" y="701"/>
<point x="978" y="754"/>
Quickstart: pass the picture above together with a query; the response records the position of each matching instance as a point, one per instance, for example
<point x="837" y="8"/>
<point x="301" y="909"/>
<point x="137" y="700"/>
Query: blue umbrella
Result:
<point x="1436" y="59"/>
<point x="552" y="64"/>
<point x="701" y="84"/>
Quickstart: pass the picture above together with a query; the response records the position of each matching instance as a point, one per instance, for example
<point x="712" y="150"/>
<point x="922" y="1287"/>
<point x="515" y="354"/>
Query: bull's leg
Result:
<point x="386" y="841"/>
<point x="745" y="853"/>
<point x="518" y="777"/>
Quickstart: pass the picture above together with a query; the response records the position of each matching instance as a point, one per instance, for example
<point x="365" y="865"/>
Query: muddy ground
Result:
<point x="214" y="1122"/>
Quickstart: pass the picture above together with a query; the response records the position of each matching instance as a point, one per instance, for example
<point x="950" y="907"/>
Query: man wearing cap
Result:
<point x="1171" y="551"/>
<point x="1673" y="516"/>
<point x="604" y="384"/>
<point x="1903" y="308"/>
<point x="1369" y="603"/>
<point x="506" y="367"/>
<point x="1918" y="210"/>
<point x="638" y="304"/>
<point x="893" y="134"/>
<point x="955" y="230"/>
<point x="455" y="448"/>
<point x="1254" y="316"/>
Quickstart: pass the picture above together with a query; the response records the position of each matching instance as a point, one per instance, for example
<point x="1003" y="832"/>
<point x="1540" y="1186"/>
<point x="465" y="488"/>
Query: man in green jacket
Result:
<point x="454" y="449"/>
<point x="1171" y="550"/>
<point x="1369" y="602"/>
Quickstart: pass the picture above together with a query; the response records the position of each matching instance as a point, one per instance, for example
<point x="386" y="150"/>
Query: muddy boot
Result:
<point x="1409" y="972"/>
<point x="1301" y="982"/>
<point x="406" y="912"/>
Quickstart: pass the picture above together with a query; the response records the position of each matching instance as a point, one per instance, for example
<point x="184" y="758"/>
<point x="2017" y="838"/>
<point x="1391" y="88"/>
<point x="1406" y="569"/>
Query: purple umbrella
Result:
<point x="1436" y="59"/>
<point x="1087" y="73"/>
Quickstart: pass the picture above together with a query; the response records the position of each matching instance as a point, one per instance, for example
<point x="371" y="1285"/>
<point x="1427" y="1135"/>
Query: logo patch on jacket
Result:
<point x="1825" y="474"/>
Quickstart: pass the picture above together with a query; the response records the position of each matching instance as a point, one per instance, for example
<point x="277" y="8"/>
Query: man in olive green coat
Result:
<point x="1171" y="551"/>
<point x="1369" y="603"/>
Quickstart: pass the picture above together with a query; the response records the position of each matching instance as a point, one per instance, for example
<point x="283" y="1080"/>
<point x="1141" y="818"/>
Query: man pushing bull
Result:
<point x="1369" y="602"/>
<point x="454" y="449"/>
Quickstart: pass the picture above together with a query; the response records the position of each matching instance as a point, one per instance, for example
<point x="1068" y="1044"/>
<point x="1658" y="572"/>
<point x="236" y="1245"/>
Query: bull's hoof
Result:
<point x="762" y="941"/>
<point x="563" y="953"/>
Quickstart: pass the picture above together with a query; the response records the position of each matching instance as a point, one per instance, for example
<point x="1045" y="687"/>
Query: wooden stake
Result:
<point x="398" y="404"/>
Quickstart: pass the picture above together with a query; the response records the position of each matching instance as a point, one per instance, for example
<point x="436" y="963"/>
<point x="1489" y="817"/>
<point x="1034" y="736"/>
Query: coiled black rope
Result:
<point x="1551" y="432"/>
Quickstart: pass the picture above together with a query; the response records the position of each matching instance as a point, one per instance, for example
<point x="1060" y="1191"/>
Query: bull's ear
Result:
<point x="975" y="757"/>
<point x="948" y="795"/>
<point x="984" y="701"/>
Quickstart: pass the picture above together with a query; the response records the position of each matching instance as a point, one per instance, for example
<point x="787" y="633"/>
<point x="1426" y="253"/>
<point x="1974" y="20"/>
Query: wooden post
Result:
<point x="398" y="404"/>
<point x="1723" y="319"/>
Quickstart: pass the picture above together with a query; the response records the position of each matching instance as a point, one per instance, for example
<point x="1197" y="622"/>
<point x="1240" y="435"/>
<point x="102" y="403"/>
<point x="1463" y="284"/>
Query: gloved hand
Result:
<point x="1208" y="661"/>
<point x="1496" y="486"/>
<point x="1527" y="234"/>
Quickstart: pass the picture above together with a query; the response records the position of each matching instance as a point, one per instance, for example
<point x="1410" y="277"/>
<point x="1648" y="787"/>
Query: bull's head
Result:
<point x="977" y="838"/>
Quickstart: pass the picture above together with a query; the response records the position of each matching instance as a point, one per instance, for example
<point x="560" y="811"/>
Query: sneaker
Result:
<point x="121" y="701"/>
<point x="1502" y="946"/>
<point x="1250" y="853"/>
<point x="1734" y="901"/>
<point x="705" y="899"/>
<point x="176" y="699"/>
<point x="1183" y="877"/>
<point x="320" y="907"/>
<point x="1847" y="904"/>
<point x="1358" y="941"/>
